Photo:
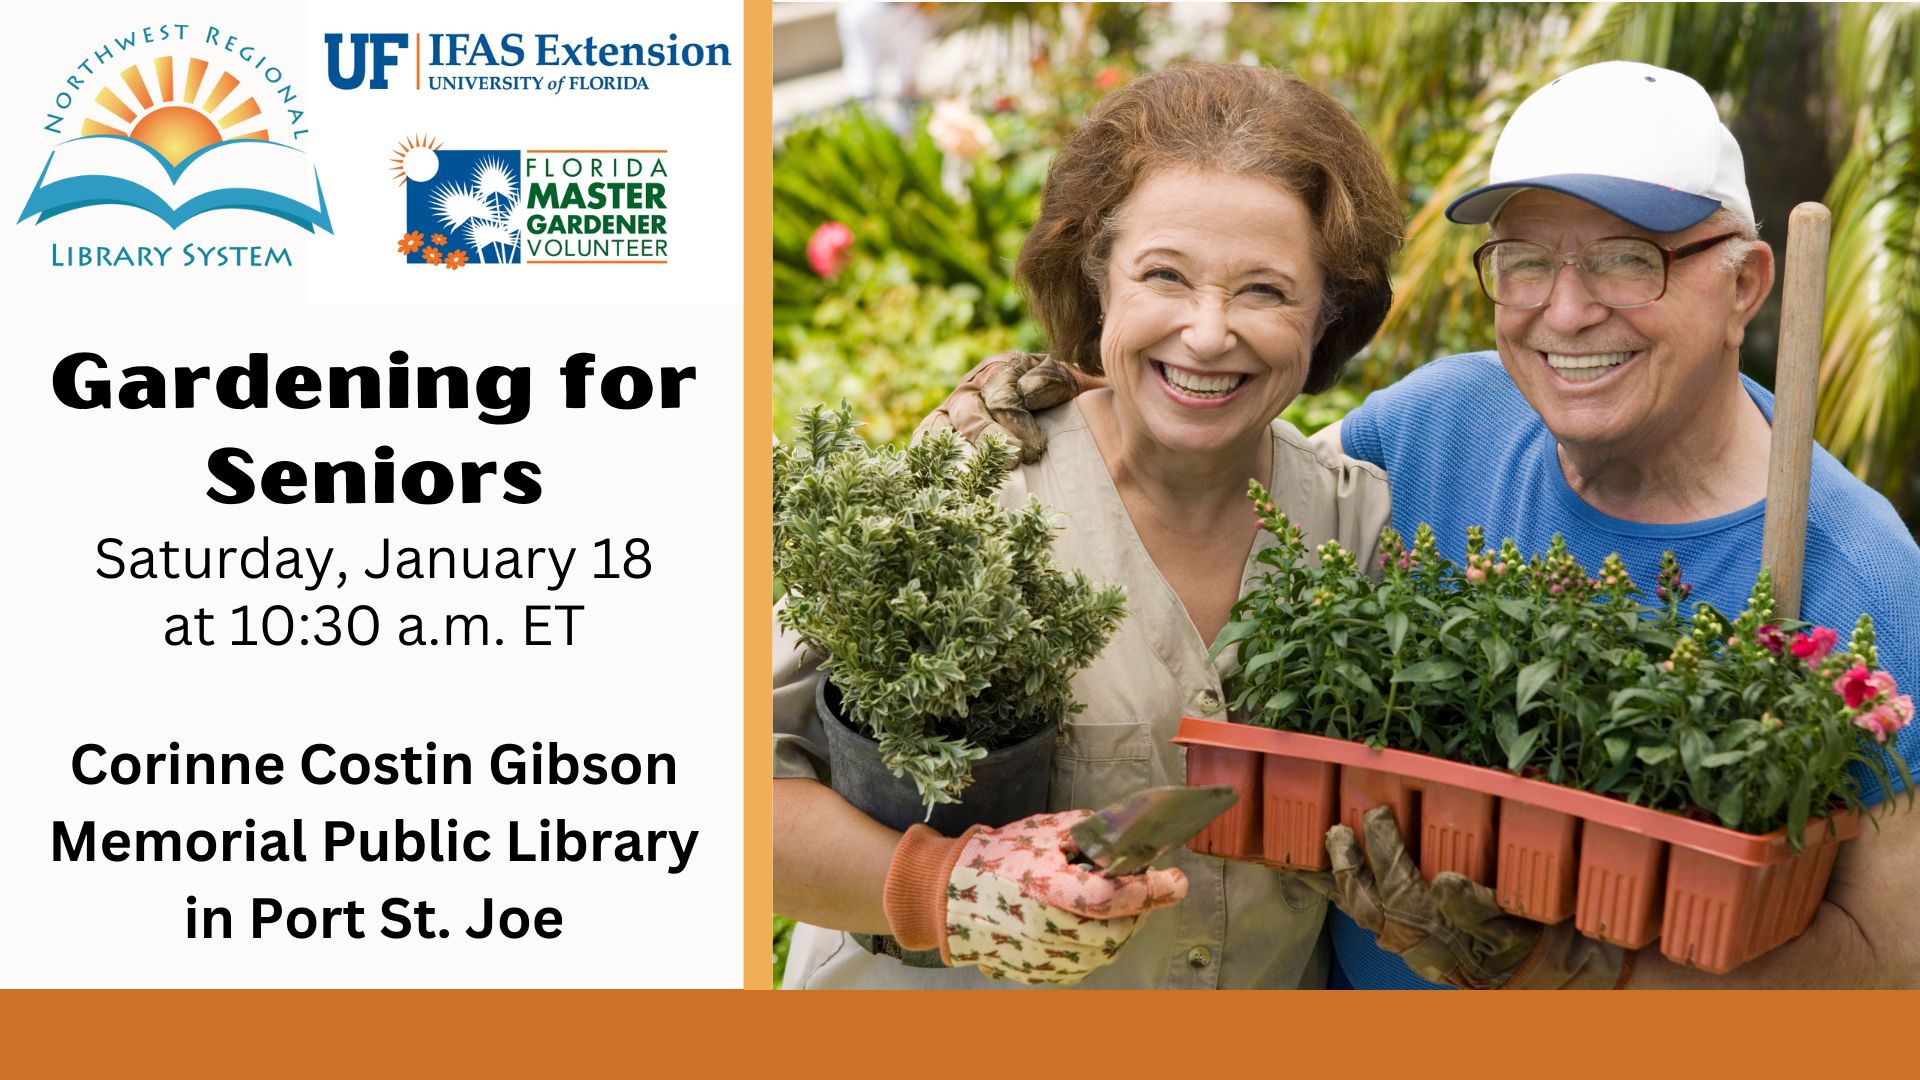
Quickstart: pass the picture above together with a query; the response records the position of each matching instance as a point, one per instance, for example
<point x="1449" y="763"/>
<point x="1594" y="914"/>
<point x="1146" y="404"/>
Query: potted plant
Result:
<point x="1542" y="731"/>
<point x="949" y="636"/>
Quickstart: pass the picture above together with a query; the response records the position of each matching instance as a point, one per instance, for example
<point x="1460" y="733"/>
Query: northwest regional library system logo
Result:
<point x="176" y="120"/>
<point x="473" y="208"/>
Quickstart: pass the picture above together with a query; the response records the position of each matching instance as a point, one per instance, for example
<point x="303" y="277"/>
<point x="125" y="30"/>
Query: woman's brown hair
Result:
<point x="1234" y="119"/>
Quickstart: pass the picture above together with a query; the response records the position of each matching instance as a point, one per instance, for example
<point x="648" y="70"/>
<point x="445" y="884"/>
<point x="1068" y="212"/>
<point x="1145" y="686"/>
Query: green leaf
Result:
<point x="1732" y="804"/>
<point x="1522" y="748"/>
<point x="1613" y="776"/>
<point x="1617" y="747"/>
<point x="1532" y="678"/>
<point x="1635" y="693"/>
<point x="1258" y="662"/>
<point x="1654" y="755"/>
<point x="1351" y="672"/>
<point x="1506" y="730"/>
<point x="1499" y="655"/>
<point x="1396" y="630"/>
<point x="1231" y="633"/>
<point x="1724" y="757"/>
<point x="1283" y="701"/>
<point x="1437" y="669"/>
<point x="1694" y="748"/>
<point x="1799" y="807"/>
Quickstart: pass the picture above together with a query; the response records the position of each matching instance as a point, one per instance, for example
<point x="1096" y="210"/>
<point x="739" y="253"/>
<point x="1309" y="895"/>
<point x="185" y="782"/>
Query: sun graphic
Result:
<point x="416" y="158"/>
<point x="176" y="131"/>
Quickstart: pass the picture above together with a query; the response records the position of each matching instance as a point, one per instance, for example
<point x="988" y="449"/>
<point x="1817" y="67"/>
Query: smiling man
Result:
<point x="1624" y="265"/>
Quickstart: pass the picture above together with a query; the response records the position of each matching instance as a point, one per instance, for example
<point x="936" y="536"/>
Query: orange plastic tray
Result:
<point x="1713" y="897"/>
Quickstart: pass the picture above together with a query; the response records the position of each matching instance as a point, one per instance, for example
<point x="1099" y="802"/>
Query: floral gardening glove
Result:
<point x="1010" y="900"/>
<point x="1000" y="397"/>
<point x="1454" y="931"/>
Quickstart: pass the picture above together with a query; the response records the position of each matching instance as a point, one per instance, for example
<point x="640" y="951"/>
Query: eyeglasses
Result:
<point x="1618" y="271"/>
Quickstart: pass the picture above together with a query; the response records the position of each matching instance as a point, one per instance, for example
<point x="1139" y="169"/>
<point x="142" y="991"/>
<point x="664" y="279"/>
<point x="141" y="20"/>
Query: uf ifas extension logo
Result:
<point x="178" y="135"/>
<point x="508" y="207"/>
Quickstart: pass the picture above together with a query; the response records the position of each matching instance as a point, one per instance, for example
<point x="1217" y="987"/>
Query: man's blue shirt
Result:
<point x="1462" y="447"/>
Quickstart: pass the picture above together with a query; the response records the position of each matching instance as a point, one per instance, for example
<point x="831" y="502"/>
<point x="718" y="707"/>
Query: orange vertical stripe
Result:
<point x="220" y="91"/>
<point x="112" y="103"/>
<point x="757" y="340"/>
<point x="246" y="110"/>
<point x="163" y="71"/>
<point x="138" y="85"/>
<point x="195" y="70"/>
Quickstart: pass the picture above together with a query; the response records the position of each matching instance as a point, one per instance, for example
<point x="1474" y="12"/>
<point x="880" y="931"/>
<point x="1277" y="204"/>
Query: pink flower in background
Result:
<point x="1814" y="646"/>
<point x="1108" y="78"/>
<point x="1883" y="683"/>
<point x="827" y="248"/>
<point x="1902" y="708"/>
<point x="1855" y="687"/>
<point x="1879" y="721"/>
<point x="956" y="130"/>
<point x="1769" y="635"/>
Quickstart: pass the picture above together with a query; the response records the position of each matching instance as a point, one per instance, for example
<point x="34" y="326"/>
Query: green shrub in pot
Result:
<point x="938" y="613"/>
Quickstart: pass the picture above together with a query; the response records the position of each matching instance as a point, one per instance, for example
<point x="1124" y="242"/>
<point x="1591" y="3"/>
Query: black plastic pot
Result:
<point x="1008" y="784"/>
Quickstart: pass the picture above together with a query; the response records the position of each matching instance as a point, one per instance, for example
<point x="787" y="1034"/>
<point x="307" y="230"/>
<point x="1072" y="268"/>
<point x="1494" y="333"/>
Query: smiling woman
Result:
<point x="1214" y="239"/>
<point x="1211" y="326"/>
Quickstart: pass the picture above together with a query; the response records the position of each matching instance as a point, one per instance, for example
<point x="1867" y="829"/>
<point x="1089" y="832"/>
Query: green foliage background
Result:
<point x="1824" y="99"/>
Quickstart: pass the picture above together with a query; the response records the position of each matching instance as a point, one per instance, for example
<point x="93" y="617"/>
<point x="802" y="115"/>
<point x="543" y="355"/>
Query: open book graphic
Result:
<point x="240" y="174"/>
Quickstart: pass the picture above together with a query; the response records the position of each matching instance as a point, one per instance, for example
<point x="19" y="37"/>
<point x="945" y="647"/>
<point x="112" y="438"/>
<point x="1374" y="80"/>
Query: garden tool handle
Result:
<point x="1803" y="304"/>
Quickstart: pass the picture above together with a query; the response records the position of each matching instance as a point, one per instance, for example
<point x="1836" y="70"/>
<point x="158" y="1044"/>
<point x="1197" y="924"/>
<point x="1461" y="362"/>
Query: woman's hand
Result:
<point x="1000" y="397"/>
<point x="1011" y="901"/>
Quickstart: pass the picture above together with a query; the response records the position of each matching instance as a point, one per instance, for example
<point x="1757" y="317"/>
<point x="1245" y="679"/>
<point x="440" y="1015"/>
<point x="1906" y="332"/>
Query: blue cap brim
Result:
<point x="1650" y="206"/>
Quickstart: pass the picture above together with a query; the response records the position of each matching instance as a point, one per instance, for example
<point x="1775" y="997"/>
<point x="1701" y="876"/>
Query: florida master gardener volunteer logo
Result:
<point x="176" y="120"/>
<point x="496" y="207"/>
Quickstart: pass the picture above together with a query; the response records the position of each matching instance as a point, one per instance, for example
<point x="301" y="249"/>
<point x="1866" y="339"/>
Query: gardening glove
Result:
<point x="1010" y="900"/>
<point x="1000" y="397"/>
<point x="1454" y="931"/>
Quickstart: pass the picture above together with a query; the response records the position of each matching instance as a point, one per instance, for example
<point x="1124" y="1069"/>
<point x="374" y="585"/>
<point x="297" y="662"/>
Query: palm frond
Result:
<point x="1870" y="362"/>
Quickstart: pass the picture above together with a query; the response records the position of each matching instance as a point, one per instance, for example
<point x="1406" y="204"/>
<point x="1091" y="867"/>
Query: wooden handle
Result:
<point x="1796" y="377"/>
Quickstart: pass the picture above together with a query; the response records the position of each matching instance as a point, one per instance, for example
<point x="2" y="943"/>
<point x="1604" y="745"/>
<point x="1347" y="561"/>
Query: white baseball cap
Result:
<point x="1643" y="143"/>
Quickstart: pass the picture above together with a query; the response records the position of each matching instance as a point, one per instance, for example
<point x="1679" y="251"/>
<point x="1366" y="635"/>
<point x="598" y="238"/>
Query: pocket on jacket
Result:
<point x="1098" y="763"/>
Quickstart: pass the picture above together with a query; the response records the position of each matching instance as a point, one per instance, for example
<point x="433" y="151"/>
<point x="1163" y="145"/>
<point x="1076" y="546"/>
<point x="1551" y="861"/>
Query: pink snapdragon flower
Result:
<point x="1817" y="645"/>
<point x="1902" y="708"/>
<point x="1879" y="721"/>
<point x="1855" y="687"/>
<point x="1769" y="635"/>
<point x="1883" y="683"/>
<point x="827" y="248"/>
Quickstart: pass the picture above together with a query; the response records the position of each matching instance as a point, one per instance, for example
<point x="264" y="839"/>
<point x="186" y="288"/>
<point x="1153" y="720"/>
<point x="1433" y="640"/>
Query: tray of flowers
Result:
<point x="1654" y="775"/>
